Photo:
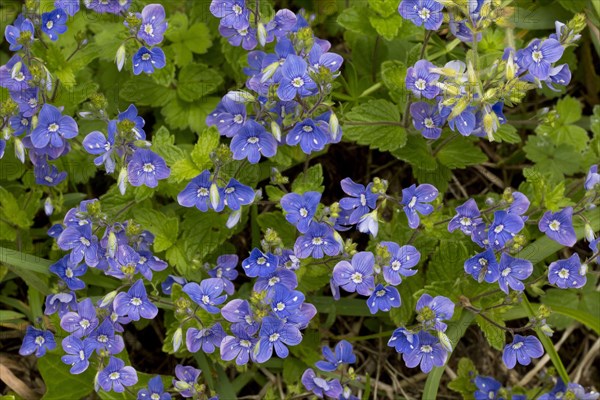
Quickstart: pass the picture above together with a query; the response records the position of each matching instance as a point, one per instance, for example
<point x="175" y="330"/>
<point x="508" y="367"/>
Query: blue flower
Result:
<point x="285" y="301"/>
<point x="53" y="128"/>
<point x="466" y="218"/>
<point x="207" y="338"/>
<point x="147" y="60"/>
<point x="116" y="376"/>
<point x="427" y="353"/>
<point x="71" y="7"/>
<point x="433" y="310"/>
<point x="235" y="195"/>
<point x="414" y="199"/>
<point x="281" y="277"/>
<point x="465" y="122"/>
<point x="13" y="80"/>
<point x="356" y="276"/>
<point x="283" y="49"/>
<point x="559" y="226"/>
<point x="280" y="25"/>
<point x="260" y="264"/>
<point x="504" y="228"/>
<point x="54" y="23"/>
<point x="233" y="13"/>
<point x="361" y="202"/>
<point x="427" y="119"/>
<point x="519" y="204"/>
<point x="153" y="24"/>
<point x="487" y="388"/>
<point x="245" y="37"/>
<point x="69" y="273"/>
<point x="96" y="143"/>
<point x="82" y="243"/>
<point x="522" y="350"/>
<point x="78" y="353"/>
<point x="421" y="81"/>
<point x="252" y="141"/>
<point x="275" y="334"/>
<point x="557" y="392"/>
<point x="592" y="178"/>
<point x="318" y="241"/>
<point x="104" y="338"/>
<point x="229" y="117"/>
<point x="22" y="28"/>
<point x="512" y="271"/>
<point x="48" y="175"/>
<point x="197" y="192"/>
<point x="567" y="274"/>
<point x="148" y="263"/>
<point x="401" y="261"/>
<point x="239" y="346"/>
<point x="483" y="266"/>
<point x="207" y="294"/>
<point x="383" y="298"/>
<point x="300" y="209"/>
<point x="27" y="100"/>
<point x="343" y="355"/>
<point x="131" y="115"/>
<point x="225" y="270"/>
<point x="319" y="58"/>
<point x="147" y="168"/>
<point x="187" y="380"/>
<point x="312" y="135"/>
<point x="61" y="303"/>
<point x="320" y="387"/>
<point x="37" y="341"/>
<point x="82" y="322"/>
<point x="422" y="12"/>
<point x="295" y="79"/>
<point x="155" y="390"/>
<point x="135" y="304"/>
<point x="167" y="284"/>
<point x="539" y="56"/>
<point x="404" y="340"/>
<point x="560" y="75"/>
<point x="108" y="6"/>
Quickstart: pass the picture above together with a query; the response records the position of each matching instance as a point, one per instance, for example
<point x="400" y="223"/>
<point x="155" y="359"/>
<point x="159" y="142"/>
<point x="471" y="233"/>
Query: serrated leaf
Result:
<point x="196" y="81"/>
<point x="417" y="153"/>
<point x="387" y="27"/>
<point x="277" y="222"/>
<point x="144" y="91"/>
<point x="463" y="383"/>
<point x="163" y="145"/>
<point x="548" y="157"/>
<point x="507" y="133"/>
<point x="494" y="335"/>
<point x="165" y="229"/>
<point x="311" y="180"/>
<point x="569" y="110"/>
<point x="356" y="19"/>
<point x="385" y="8"/>
<point x="55" y="373"/>
<point x="461" y="153"/>
<point x="393" y="74"/>
<point x="376" y="124"/>
<point x="11" y="210"/>
<point x="180" y="114"/>
<point x="208" y="141"/>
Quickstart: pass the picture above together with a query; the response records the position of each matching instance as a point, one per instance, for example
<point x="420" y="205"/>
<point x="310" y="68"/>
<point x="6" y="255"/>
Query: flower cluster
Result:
<point x="333" y="388"/>
<point x="470" y="98"/>
<point x="490" y="388"/>
<point x="426" y="344"/>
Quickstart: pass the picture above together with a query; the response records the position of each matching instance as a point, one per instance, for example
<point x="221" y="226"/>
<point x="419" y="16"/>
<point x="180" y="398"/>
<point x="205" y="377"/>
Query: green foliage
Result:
<point x="463" y="383"/>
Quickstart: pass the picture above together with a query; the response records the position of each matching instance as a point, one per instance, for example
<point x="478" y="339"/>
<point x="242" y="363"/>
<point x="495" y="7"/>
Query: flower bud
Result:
<point x="120" y="57"/>
<point x="269" y="71"/>
<point x="19" y="150"/>
<point x="180" y="386"/>
<point x="122" y="180"/>
<point x="589" y="233"/>
<point x="261" y="33"/>
<point x="177" y="339"/>
<point x="48" y="206"/>
<point x="108" y="299"/>
<point x="511" y="68"/>
<point x="112" y="244"/>
<point x="583" y="268"/>
<point x="234" y="218"/>
<point x="240" y="96"/>
<point x="445" y="341"/>
<point x="276" y="131"/>
<point x="16" y="69"/>
<point x="215" y="196"/>
<point x="334" y="126"/>
<point x="547" y="330"/>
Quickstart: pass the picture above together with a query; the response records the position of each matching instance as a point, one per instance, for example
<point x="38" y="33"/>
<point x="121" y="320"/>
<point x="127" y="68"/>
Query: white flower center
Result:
<point x="563" y="273"/>
<point x="237" y="9"/>
<point x="380" y="293"/>
<point x="85" y="241"/>
<point x="49" y="25"/>
<point x="146" y="56"/>
<point x="102" y="338"/>
<point x="136" y="301"/>
<point x="81" y="355"/>
<point x="517" y="346"/>
<point x="40" y="340"/>
<point x="307" y="128"/>
<point x="155" y="396"/>
<point x="205" y="299"/>
<point x="148" y="167"/>
<point x="252" y="140"/>
<point x="261" y="260"/>
<point x="421" y="84"/>
<point x="84" y="323"/>
<point x="149" y="29"/>
<point x="280" y="306"/>
<point x="554" y="225"/>
<point x="356" y="277"/>
<point x="429" y="123"/>
<point x="69" y="272"/>
<point x="396" y="264"/>
<point x="363" y="199"/>
<point x="229" y="190"/>
<point x="424" y="14"/>
<point x="413" y="201"/>
<point x="506" y="271"/>
<point x="297" y="82"/>
<point x="317" y="241"/>
<point x="245" y="343"/>
<point x="274" y="337"/>
<point x="53" y="127"/>
<point x="426" y="349"/>
<point x="483" y="262"/>
<point x="303" y="212"/>
<point x="202" y="192"/>
<point x="537" y="56"/>
<point x="114" y="376"/>
<point x="499" y="228"/>
<point x="465" y="221"/>
<point x="238" y="119"/>
<point x="19" y="78"/>
<point x="273" y="281"/>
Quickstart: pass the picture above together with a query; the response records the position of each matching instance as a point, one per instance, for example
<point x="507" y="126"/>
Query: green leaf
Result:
<point x="11" y="210"/>
<point x="311" y="180"/>
<point x="376" y="124"/>
<point x="196" y="81"/>
<point x="385" y="8"/>
<point x="163" y="145"/>
<point x="393" y="74"/>
<point x="277" y="222"/>
<point x="164" y="228"/>
<point x="144" y="91"/>
<point x="494" y="335"/>
<point x="356" y="19"/>
<point x="387" y="27"/>
<point x="569" y="110"/>
<point x="24" y="261"/>
<point x="10" y="316"/>
<point x="60" y="384"/>
<point x="507" y="133"/>
<point x="557" y="160"/>
<point x="187" y="40"/>
<point x="180" y="114"/>
<point x="208" y="141"/>
<point x="460" y="153"/>
<point x="463" y="383"/>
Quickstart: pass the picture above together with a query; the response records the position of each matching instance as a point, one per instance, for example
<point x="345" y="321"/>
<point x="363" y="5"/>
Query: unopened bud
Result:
<point x="215" y="196"/>
<point x="589" y="233"/>
<point x="234" y="218"/>
<point x="177" y="339"/>
<point x="16" y="69"/>
<point x="112" y="244"/>
<point x="269" y="71"/>
<point x="445" y="341"/>
<point x="261" y="33"/>
<point x="547" y="330"/>
<point x="240" y="96"/>
<point x="334" y="126"/>
<point x="19" y="150"/>
<point x="122" y="181"/>
<point x="108" y="299"/>
<point x="48" y="206"/>
<point x="276" y="131"/>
